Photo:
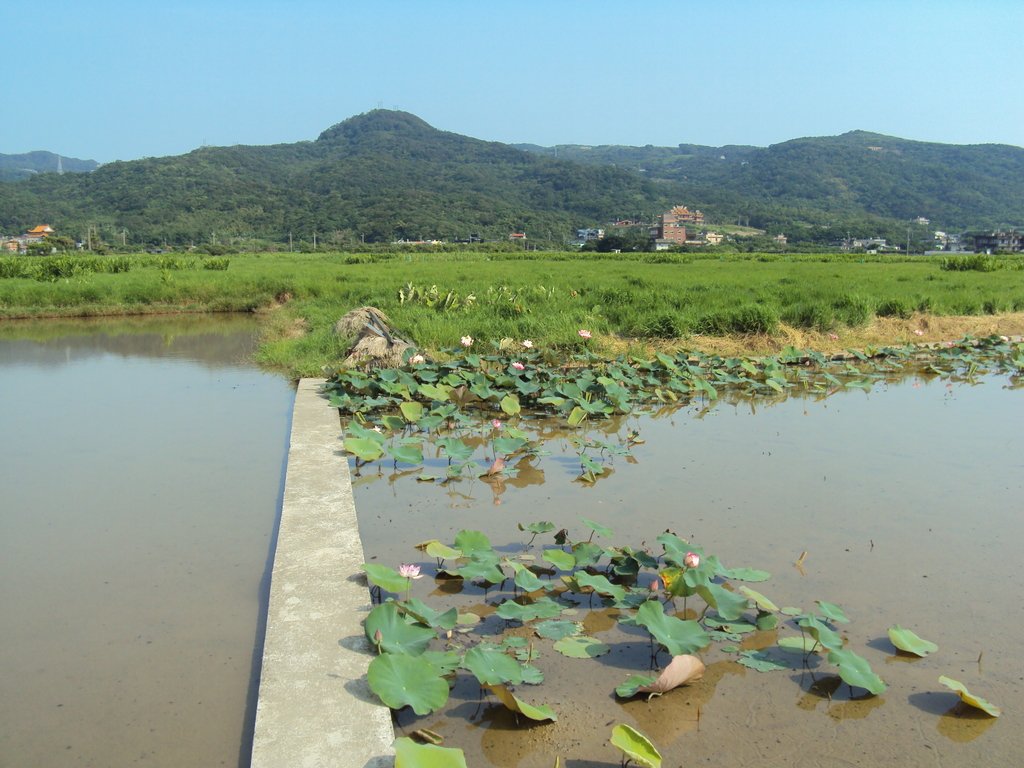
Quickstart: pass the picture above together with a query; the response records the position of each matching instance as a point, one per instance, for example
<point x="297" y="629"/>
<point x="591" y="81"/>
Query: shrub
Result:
<point x="894" y="308"/>
<point x="814" y="315"/>
<point x="218" y="264"/>
<point x="976" y="262"/>
<point x="748" y="319"/>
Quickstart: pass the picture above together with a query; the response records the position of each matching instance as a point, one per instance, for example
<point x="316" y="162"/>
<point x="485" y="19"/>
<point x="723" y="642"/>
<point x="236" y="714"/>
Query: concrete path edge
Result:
<point x="314" y="707"/>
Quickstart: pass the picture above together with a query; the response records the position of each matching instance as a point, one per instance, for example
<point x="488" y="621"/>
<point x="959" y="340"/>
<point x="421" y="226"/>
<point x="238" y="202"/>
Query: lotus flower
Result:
<point x="583" y="333"/>
<point x="518" y="366"/>
<point x="918" y="332"/>
<point x="527" y="343"/>
<point x="691" y="560"/>
<point x="467" y="341"/>
<point x="417" y="359"/>
<point x="834" y="336"/>
<point x="409" y="571"/>
<point x="496" y="423"/>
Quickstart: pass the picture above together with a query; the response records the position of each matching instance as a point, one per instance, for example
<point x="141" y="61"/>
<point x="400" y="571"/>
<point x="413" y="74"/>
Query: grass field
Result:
<point x="748" y="301"/>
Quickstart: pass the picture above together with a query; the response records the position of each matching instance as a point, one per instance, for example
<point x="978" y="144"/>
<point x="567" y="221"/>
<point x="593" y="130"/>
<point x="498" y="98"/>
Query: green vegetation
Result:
<point x="388" y="175"/>
<point x="621" y="298"/>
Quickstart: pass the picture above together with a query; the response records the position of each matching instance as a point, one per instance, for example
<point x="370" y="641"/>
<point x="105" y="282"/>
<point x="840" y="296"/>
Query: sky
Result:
<point x="115" y="80"/>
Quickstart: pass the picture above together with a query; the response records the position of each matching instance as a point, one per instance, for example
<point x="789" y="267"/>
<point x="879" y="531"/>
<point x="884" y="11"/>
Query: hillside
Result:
<point x="388" y="175"/>
<point x="14" y="167"/>
<point x="374" y="177"/>
<point x="853" y="179"/>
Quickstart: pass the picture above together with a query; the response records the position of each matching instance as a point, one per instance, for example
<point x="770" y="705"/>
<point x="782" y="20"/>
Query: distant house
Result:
<point x="713" y="238"/>
<point x="590" y="233"/>
<point x="781" y="239"/>
<point x="517" y="236"/>
<point x="672" y="224"/>
<point x="922" y="221"/>
<point x="1000" y="240"/>
<point x="39" y="232"/>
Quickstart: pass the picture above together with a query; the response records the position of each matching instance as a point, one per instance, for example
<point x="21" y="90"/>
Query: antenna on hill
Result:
<point x="60" y="166"/>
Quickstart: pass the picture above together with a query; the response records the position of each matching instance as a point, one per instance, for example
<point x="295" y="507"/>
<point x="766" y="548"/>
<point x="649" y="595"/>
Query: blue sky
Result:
<point x="110" y="80"/>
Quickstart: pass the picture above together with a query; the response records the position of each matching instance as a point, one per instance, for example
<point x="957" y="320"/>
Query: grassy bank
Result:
<point x="751" y="302"/>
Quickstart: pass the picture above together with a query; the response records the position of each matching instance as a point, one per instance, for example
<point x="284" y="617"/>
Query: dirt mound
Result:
<point x="375" y="343"/>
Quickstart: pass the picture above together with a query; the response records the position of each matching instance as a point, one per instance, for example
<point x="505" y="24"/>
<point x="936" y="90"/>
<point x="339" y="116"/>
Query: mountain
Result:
<point x="386" y="175"/>
<point x="14" y="167"/>
<point x="375" y="177"/>
<point x="834" y="179"/>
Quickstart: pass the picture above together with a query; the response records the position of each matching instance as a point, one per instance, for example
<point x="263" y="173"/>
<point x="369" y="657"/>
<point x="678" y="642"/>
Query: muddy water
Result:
<point x="908" y="504"/>
<point x="141" y="467"/>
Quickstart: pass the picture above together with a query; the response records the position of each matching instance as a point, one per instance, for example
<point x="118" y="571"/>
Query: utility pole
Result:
<point x="314" y="239"/>
<point x="289" y="242"/>
<point x="124" y="234"/>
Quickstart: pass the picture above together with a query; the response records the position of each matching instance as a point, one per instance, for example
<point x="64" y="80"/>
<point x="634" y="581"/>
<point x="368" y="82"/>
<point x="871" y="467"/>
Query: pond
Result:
<point x="142" y="465"/>
<point x="902" y="505"/>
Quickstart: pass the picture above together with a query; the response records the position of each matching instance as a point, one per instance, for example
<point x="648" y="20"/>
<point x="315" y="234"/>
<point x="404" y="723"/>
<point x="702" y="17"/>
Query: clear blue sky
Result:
<point x="108" y="79"/>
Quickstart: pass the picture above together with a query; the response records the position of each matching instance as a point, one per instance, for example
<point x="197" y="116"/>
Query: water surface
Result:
<point x="141" y="466"/>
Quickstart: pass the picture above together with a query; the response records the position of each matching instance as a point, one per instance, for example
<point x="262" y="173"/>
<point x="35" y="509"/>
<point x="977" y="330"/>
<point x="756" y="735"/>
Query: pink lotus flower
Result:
<point x="583" y="333"/>
<point x="467" y="341"/>
<point x="691" y="560"/>
<point x="918" y="332"/>
<point x="518" y="366"/>
<point x="409" y="571"/>
<point x="417" y="359"/>
<point x="834" y="336"/>
<point x="496" y="423"/>
<point x="527" y="343"/>
<point x="655" y="585"/>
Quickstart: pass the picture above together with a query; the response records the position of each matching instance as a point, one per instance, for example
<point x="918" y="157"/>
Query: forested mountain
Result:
<point x="14" y="167"/>
<point x="387" y="175"/>
<point x="375" y="177"/>
<point x="849" y="179"/>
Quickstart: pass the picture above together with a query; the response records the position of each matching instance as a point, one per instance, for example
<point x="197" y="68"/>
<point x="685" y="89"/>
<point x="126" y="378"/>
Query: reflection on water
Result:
<point x="906" y="501"/>
<point x="141" y="468"/>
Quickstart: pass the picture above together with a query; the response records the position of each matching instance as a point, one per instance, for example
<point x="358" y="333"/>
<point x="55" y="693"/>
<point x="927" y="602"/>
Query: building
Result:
<point x="590" y="233"/>
<point x="1000" y="240"/>
<point x="671" y="226"/>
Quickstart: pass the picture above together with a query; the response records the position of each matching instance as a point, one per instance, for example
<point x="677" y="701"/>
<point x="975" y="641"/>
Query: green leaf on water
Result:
<point x="576" y="416"/>
<point x="385" y="577"/>
<point x="632" y="684"/>
<point x="767" y="622"/>
<point x="759" y="661"/>
<point x="510" y="404"/>
<point x="560" y="559"/>
<point x="454" y="449"/>
<point x="531" y="675"/>
<point x="407" y="453"/>
<point x="587" y="553"/>
<point x="439" y="392"/>
<point x="491" y="666"/>
<point x="762" y="602"/>
<point x="789" y="610"/>
<point x="409" y="754"/>
<point x="832" y="612"/>
<point x="526" y="579"/>
<point x="436" y="549"/>
<point x="556" y="629"/>
<point x="544" y="608"/>
<point x="798" y="644"/>
<point x="746" y="574"/>
<point x="679" y="637"/>
<point x="969" y="698"/>
<point x="600" y="584"/>
<point x="514" y="703"/>
<point x="424" y="614"/>
<point x="581" y="647"/>
<point x="397" y="635"/>
<point x="400" y="680"/>
<point x="411" y="410"/>
<point x="635" y="746"/>
<point x="364" y="448"/>
<point x="542" y="526"/>
<point x="829" y="638"/>
<point x="907" y="641"/>
<point x="729" y="605"/>
<point x="597" y="528"/>
<point x="472" y="541"/>
<point x="855" y="670"/>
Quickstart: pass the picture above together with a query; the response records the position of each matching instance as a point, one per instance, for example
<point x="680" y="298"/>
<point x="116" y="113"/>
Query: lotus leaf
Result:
<point x="680" y="671"/>
<point x="510" y="405"/>
<point x="439" y="392"/>
<point x="557" y="629"/>
<point x="560" y="559"/>
<point x="544" y="608"/>
<point x="424" y="614"/>
<point x="759" y="661"/>
<point x="514" y="703"/>
<point x="386" y="578"/>
<point x="581" y="647"/>
<point x="480" y="568"/>
<point x="364" y="448"/>
<point x="576" y="417"/>
<point x="635" y="746"/>
<point x="832" y="612"/>
<point x="397" y="635"/>
<point x="679" y="637"/>
<point x="824" y="635"/>
<point x="506" y="446"/>
<point x="729" y="605"/>
<point x="454" y="449"/>
<point x="597" y="528"/>
<point x="411" y="410"/>
<point x="762" y="602"/>
<point x="802" y="644"/>
<point x="409" y="754"/>
<point x="491" y="666"/>
<point x="542" y="526"/>
<point x="531" y="675"/>
<point x="767" y="622"/>
<point x="969" y="698"/>
<point x="407" y="453"/>
<point x="855" y="670"/>
<point x="907" y="641"/>
<point x="401" y="680"/>
<point x="446" y="662"/>
<point x="586" y="554"/>
<point x="472" y="541"/>
<point x="746" y="574"/>
<point x="442" y="551"/>
<point x="600" y="584"/>
<point x="632" y="685"/>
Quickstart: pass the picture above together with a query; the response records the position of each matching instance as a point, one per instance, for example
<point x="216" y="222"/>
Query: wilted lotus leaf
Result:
<point x="969" y="698"/>
<point x="683" y="669"/>
<point x="907" y="641"/>
<point x="635" y="746"/>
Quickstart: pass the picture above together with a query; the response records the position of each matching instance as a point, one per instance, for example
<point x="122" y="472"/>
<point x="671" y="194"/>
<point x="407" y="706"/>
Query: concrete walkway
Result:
<point x="314" y="707"/>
